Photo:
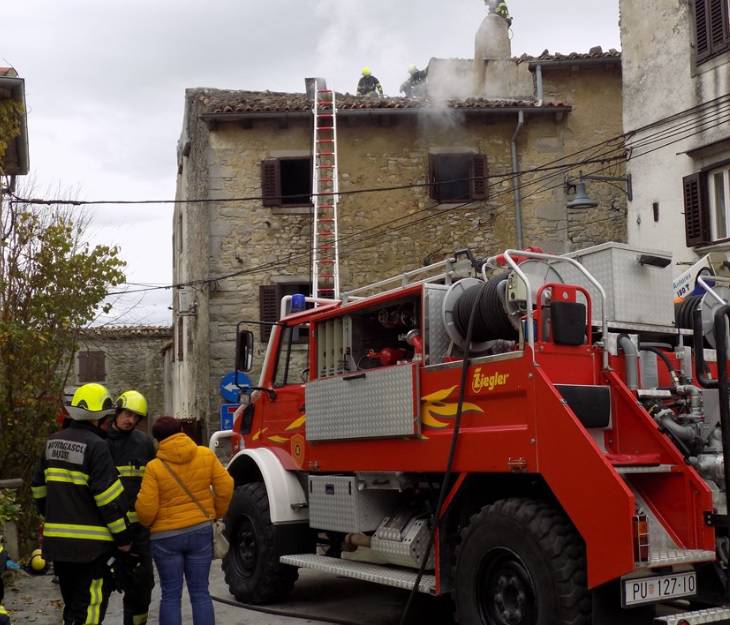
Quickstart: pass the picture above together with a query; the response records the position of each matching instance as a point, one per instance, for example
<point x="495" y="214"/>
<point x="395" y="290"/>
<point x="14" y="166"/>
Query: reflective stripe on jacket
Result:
<point x="131" y="452"/>
<point x="77" y="489"/>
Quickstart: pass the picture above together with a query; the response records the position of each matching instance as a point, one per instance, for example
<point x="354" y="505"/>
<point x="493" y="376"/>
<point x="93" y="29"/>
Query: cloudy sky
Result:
<point x="105" y="84"/>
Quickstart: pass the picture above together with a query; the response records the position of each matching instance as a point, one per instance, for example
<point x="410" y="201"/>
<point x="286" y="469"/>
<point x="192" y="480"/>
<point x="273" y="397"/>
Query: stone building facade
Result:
<point x="487" y="123"/>
<point x="676" y="67"/>
<point x="126" y="357"/>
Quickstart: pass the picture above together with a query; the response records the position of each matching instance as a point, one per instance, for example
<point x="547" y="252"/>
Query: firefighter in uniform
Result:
<point x="369" y="85"/>
<point x="131" y="451"/>
<point x="78" y="491"/>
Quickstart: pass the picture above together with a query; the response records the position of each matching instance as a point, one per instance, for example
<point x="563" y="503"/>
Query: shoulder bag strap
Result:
<point x="185" y="488"/>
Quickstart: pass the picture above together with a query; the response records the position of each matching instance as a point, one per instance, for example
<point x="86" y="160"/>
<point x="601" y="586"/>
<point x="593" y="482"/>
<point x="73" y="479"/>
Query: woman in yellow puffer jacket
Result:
<point x="181" y="535"/>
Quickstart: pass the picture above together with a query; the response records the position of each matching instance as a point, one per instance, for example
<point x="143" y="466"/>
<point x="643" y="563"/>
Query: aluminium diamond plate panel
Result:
<point x="408" y="551"/>
<point x="437" y="340"/>
<point x="375" y="573"/>
<point x="635" y="293"/>
<point x="699" y="617"/>
<point x="338" y="505"/>
<point x="374" y="403"/>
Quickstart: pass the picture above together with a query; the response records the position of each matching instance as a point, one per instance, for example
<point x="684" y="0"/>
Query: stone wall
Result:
<point x="224" y="238"/>
<point x="133" y="359"/>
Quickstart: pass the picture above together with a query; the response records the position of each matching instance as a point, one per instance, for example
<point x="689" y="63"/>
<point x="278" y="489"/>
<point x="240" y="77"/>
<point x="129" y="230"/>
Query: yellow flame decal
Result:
<point x="431" y="422"/>
<point x="258" y="434"/>
<point x="278" y="439"/>
<point x="433" y="408"/>
<point x="450" y="410"/>
<point x="439" y="395"/>
<point x="296" y="423"/>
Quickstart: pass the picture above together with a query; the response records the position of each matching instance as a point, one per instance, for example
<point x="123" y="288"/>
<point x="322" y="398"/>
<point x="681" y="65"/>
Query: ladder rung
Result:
<point x="325" y="154"/>
<point x="325" y="127"/>
<point x="325" y="140"/>
<point x="325" y="166"/>
<point x="326" y="276"/>
<point x="325" y="261"/>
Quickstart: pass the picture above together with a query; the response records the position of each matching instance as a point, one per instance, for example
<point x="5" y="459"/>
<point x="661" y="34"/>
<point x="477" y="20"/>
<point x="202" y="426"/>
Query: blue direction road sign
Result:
<point x="229" y="391"/>
<point x="227" y="411"/>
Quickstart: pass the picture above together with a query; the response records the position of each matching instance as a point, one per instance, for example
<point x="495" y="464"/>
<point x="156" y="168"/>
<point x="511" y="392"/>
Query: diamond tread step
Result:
<point x="656" y="468"/>
<point x="375" y="573"/>
<point x="678" y="556"/>
<point x="709" y="615"/>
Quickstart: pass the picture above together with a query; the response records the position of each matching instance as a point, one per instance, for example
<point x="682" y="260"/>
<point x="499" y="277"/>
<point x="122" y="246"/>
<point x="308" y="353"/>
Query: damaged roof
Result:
<point x="595" y="56"/>
<point x="220" y="103"/>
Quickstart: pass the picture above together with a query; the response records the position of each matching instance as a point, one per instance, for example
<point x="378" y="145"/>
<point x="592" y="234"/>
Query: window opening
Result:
<point x="296" y="181"/>
<point x="452" y="177"/>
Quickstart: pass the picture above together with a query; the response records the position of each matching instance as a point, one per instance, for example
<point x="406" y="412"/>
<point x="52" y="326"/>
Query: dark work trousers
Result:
<point x="138" y="591"/>
<point x="85" y="587"/>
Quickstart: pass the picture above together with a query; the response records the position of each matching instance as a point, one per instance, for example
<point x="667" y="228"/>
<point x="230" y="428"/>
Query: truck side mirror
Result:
<point x="244" y="350"/>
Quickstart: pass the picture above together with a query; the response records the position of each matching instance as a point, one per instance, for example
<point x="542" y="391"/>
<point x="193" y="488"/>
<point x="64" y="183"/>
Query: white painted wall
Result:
<point x="661" y="79"/>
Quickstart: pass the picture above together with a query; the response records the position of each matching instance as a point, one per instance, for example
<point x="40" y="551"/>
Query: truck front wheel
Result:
<point x="521" y="562"/>
<point x="251" y="567"/>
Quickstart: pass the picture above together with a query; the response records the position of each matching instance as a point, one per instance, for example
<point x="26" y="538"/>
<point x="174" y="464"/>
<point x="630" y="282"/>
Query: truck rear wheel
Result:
<point x="521" y="562"/>
<point x="251" y="567"/>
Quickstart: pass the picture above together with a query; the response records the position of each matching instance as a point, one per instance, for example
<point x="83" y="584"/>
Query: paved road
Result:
<point x="36" y="601"/>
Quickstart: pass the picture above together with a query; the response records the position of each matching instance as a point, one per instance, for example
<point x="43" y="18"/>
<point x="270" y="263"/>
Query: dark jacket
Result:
<point x="369" y="85"/>
<point x="77" y="490"/>
<point x="131" y="452"/>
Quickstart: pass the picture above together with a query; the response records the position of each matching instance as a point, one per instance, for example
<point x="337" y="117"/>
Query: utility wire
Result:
<point x="624" y="136"/>
<point x="684" y="129"/>
<point x="283" y="261"/>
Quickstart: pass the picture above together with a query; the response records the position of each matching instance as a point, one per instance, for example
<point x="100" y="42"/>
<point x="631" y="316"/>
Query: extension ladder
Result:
<point x="325" y="190"/>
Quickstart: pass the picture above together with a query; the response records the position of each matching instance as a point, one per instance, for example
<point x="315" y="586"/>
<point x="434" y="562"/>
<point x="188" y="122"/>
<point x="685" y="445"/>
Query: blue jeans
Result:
<point x="190" y="553"/>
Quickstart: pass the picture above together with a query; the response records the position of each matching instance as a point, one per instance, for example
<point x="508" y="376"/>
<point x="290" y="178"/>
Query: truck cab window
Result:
<point x="291" y="358"/>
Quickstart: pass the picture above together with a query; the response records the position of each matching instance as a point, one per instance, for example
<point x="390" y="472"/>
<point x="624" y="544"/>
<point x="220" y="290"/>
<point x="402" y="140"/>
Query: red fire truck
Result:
<point x="541" y="437"/>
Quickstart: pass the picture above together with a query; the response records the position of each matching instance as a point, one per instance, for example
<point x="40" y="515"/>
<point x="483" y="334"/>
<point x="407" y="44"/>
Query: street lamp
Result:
<point x="582" y="199"/>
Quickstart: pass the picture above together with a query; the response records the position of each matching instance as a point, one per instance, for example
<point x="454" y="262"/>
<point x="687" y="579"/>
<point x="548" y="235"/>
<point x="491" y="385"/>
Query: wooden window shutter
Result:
<point x="696" y="219"/>
<point x="271" y="182"/>
<point x="718" y="25"/>
<point x="702" y="39"/>
<point x="92" y="366"/>
<point x="480" y="175"/>
<point x="268" y="307"/>
<point x="434" y="188"/>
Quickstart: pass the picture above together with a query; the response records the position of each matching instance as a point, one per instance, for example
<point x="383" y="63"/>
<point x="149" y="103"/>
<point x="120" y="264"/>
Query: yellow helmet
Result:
<point x="38" y="563"/>
<point x="133" y="401"/>
<point x="90" y="402"/>
<point x="366" y="71"/>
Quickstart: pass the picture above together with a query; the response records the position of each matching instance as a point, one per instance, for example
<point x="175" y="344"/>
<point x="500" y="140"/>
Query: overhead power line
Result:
<point x="677" y="133"/>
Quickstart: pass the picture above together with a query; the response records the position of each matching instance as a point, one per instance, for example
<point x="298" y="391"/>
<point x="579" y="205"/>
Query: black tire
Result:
<point x="521" y="562"/>
<point x="251" y="567"/>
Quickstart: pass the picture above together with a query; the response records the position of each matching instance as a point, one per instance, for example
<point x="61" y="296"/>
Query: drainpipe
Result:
<point x="538" y="85"/>
<point x="516" y="181"/>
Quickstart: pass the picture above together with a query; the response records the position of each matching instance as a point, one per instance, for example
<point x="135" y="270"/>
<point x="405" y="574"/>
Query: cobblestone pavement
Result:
<point x="37" y="601"/>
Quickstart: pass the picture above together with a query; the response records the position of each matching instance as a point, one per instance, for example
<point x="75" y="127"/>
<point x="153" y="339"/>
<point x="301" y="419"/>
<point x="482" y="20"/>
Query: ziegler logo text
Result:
<point x="481" y="382"/>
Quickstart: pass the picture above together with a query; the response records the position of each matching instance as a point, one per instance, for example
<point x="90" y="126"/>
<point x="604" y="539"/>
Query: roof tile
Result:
<point x="221" y="102"/>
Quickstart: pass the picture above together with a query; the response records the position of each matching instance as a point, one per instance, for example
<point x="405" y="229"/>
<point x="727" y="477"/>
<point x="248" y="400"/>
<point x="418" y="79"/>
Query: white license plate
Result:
<point x="640" y="590"/>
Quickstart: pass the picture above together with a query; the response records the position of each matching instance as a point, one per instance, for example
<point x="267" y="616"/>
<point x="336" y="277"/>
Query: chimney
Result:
<point x="492" y="53"/>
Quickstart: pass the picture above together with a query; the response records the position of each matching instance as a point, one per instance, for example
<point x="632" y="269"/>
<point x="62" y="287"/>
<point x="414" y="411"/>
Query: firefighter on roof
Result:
<point x="503" y="11"/>
<point x="369" y="85"/>
<point x="132" y="450"/>
<point x="415" y="85"/>
<point x="77" y="490"/>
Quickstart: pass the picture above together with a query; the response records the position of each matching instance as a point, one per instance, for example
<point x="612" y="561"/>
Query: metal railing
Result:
<point x="530" y="330"/>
